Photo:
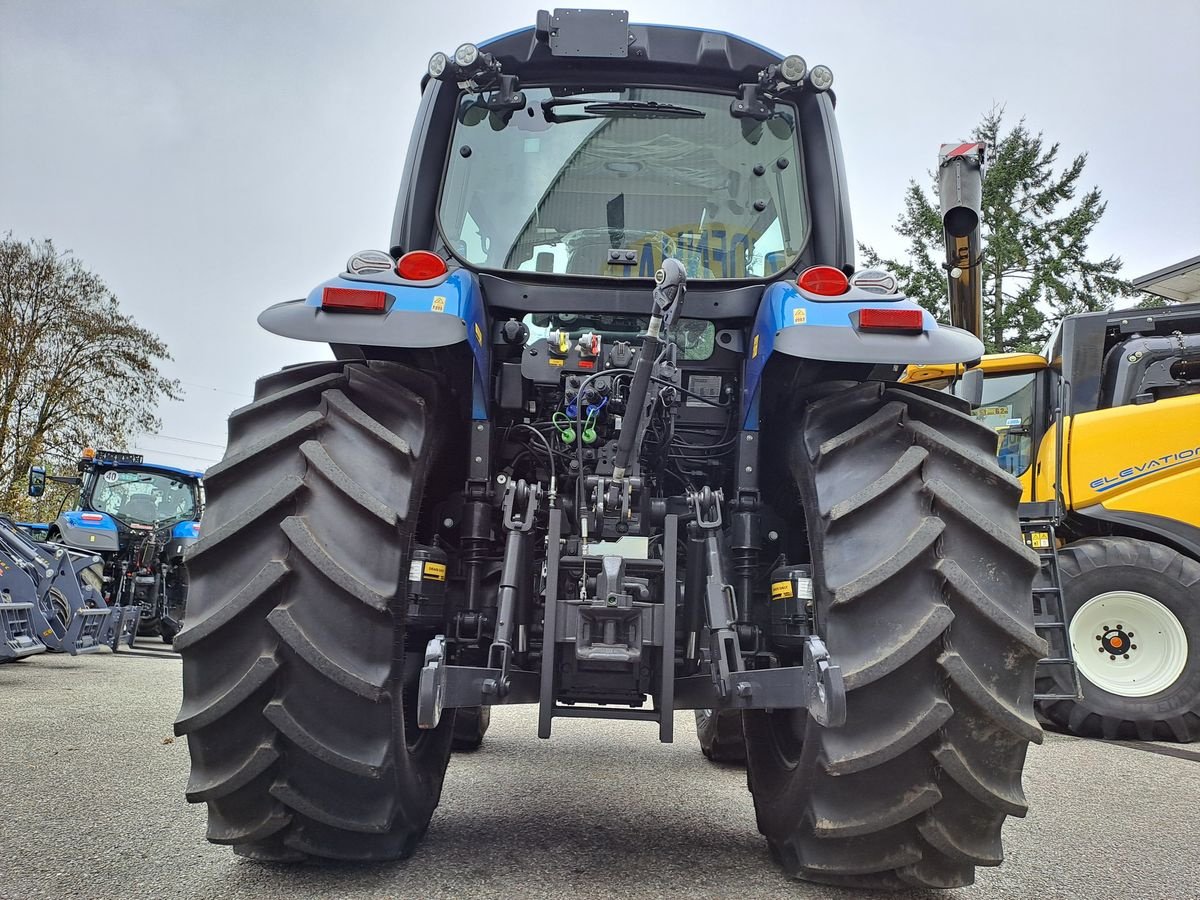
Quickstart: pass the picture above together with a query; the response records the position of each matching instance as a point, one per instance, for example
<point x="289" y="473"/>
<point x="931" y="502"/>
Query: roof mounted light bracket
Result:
<point x="756" y="99"/>
<point x="479" y="72"/>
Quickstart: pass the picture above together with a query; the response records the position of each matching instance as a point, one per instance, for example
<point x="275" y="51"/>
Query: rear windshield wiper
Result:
<point x="630" y="109"/>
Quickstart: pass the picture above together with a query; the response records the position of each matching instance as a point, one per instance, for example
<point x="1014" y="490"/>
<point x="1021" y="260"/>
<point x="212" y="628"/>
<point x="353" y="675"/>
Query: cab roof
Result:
<point x="655" y="52"/>
<point x="158" y="467"/>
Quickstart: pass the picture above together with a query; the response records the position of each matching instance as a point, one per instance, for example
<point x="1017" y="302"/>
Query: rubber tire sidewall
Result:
<point x="1181" y="697"/>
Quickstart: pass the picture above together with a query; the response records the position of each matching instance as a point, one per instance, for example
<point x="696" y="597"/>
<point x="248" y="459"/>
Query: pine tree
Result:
<point x="1035" y="241"/>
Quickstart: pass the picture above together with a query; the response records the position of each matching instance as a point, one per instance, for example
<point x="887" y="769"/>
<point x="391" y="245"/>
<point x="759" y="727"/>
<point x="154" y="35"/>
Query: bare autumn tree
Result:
<point x="74" y="369"/>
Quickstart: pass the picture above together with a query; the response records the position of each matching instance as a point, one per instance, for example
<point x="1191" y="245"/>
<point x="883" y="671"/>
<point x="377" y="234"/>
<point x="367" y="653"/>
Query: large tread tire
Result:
<point x="299" y="690"/>
<point x="1097" y="565"/>
<point x="720" y="735"/>
<point x="923" y="589"/>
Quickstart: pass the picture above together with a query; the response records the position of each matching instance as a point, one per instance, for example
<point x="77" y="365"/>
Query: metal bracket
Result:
<point x="824" y="687"/>
<point x="816" y="686"/>
<point x="443" y="687"/>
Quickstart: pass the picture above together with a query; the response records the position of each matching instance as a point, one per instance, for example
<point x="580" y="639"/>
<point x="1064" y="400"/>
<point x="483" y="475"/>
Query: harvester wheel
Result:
<point x="923" y="597"/>
<point x="1134" y="613"/>
<point x="720" y="735"/>
<point x="470" y="725"/>
<point x="299" y="683"/>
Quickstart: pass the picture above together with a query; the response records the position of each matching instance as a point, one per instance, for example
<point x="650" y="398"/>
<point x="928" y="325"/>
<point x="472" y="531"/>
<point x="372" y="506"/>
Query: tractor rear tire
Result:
<point x="1158" y="589"/>
<point x="299" y="684"/>
<point x="720" y="735"/>
<point x="923" y="597"/>
<point x="470" y="725"/>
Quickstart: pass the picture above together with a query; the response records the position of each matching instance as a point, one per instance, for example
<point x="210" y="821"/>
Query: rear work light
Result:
<point x="904" y="320"/>
<point x="825" y="281"/>
<point x="420" y="265"/>
<point x="353" y="299"/>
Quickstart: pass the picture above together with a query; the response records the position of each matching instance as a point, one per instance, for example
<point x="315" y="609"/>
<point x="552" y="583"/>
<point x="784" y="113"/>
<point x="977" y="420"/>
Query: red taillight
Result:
<point x="875" y="319"/>
<point x="824" y="280"/>
<point x="92" y="517"/>
<point x="420" y="265"/>
<point x="352" y="298"/>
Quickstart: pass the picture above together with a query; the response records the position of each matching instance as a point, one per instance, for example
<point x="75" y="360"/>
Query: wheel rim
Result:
<point x="62" y="609"/>
<point x="1128" y="644"/>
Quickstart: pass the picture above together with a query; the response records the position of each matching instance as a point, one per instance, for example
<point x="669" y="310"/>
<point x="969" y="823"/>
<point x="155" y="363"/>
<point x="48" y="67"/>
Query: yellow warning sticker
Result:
<point x="555" y="362"/>
<point x="435" y="571"/>
<point x="1039" y="540"/>
<point x="439" y="304"/>
<point x="799" y="315"/>
<point x="754" y="348"/>
<point x="478" y="335"/>
<point x="782" y="590"/>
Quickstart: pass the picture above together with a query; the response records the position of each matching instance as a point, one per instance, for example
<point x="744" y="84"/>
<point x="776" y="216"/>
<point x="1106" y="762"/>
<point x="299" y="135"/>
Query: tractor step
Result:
<point x="17" y="636"/>
<point x="1049" y="613"/>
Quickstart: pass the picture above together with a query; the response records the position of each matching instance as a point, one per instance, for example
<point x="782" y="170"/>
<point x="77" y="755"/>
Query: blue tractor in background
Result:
<point x="614" y="428"/>
<point x="138" y="518"/>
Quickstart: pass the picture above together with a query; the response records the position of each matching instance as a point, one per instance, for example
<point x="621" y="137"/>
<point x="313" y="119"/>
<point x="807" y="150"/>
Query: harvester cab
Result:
<point x="614" y="429"/>
<point x="138" y="519"/>
<point x="1102" y="433"/>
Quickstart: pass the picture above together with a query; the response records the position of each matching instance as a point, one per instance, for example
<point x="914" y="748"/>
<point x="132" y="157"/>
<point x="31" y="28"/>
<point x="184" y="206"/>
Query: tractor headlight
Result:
<point x="821" y="78"/>
<point x="466" y="55"/>
<point x="437" y="64"/>
<point x="793" y="69"/>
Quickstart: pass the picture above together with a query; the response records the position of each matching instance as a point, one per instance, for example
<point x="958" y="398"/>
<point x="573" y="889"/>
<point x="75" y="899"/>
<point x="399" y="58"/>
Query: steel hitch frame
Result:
<point x="817" y="686"/>
<point x="443" y="686"/>
<point x="720" y="601"/>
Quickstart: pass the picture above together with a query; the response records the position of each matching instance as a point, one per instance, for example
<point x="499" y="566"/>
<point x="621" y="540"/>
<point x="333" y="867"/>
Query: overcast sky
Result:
<point x="210" y="158"/>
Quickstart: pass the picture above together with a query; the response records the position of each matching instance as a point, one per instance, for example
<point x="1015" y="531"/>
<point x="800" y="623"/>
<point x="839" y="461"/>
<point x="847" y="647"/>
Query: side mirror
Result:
<point x="37" y="481"/>
<point x="970" y="387"/>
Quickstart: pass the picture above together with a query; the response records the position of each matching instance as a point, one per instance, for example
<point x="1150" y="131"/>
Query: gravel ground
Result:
<point x="91" y="805"/>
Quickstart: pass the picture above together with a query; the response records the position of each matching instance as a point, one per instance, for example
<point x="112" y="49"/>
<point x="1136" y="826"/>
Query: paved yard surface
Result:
<point x="91" y="805"/>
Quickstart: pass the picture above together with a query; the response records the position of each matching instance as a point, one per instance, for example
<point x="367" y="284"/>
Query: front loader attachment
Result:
<point x="17" y="636"/>
<point x="64" y="615"/>
<point x="121" y="627"/>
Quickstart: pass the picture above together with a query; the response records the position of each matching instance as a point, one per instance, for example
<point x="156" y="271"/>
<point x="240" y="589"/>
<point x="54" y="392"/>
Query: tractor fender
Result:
<point x="183" y="535"/>
<point x="797" y="323"/>
<point x="91" y="535"/>
<point x="439" y="313"/>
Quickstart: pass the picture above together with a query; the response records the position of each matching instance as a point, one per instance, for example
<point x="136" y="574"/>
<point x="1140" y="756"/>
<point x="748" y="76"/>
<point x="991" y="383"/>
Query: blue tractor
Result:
<point x="138" y="518"/>
<point x="613" y="428"/>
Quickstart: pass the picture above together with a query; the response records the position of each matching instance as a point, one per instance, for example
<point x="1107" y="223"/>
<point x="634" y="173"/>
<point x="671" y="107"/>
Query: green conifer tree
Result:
<point x="1036" y="267"/>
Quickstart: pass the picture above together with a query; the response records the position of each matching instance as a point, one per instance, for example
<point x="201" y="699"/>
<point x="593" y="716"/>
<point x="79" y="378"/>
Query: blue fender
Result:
<point x="183" y="535"/>
<point x="794" y="322"/>
<point x="94" y="532"/>
<point x="438" y="313"/>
